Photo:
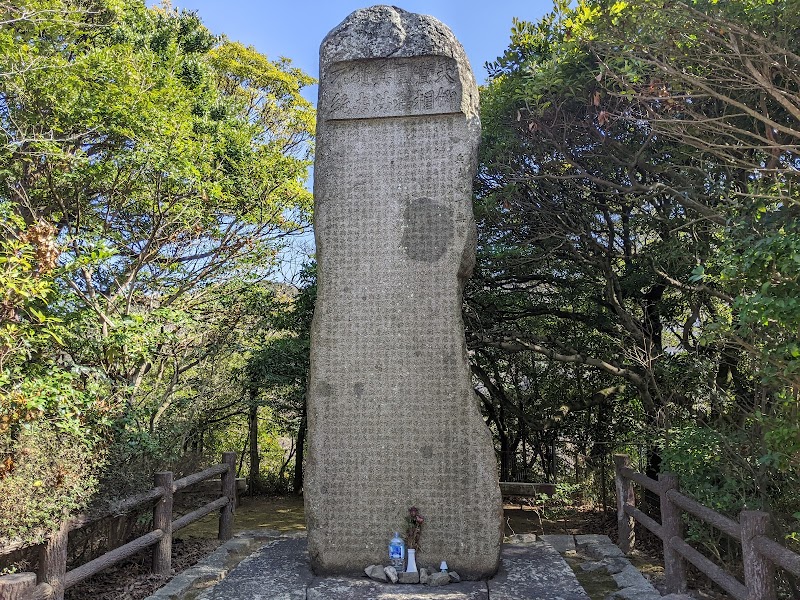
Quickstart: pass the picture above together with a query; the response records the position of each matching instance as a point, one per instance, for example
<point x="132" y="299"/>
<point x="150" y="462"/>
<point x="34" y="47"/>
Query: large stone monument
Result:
<point x="393" y="420"/>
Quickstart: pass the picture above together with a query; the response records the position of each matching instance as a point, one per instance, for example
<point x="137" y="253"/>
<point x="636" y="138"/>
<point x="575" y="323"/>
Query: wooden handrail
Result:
<point x="93" y="567"/>
<point x="84" y="519"/>
<point x="642" y="518"/>
<point x="118" y="509"/>
<point x="198" y="514"/>
<point x="208" y="473"/>
<point x="760" y="554"/>
<point x="780" y="555"/>
<point x="53" y="577"/>
<point x="712" y="570"/>
<point x="721" y="522"/>
<point x="642" y="479"/>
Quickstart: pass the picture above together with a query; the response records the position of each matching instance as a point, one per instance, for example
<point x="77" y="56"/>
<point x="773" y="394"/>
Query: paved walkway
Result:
<point x="278" y="569"/>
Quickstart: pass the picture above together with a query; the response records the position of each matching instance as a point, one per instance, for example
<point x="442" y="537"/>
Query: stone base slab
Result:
<point x="280" y="571"/>
<point x="347" y="588"/>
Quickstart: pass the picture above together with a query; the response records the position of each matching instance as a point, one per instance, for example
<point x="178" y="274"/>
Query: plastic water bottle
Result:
<point x="397" y="552"/>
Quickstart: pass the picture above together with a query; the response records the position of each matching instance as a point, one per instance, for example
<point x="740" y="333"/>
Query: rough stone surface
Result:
<point x="203" y="574"/>
<point x="345" y="588"/>
<point x="534" y="571"/>
<point x="562" y="543"/>
<point x="598" y="546"/>
<point x="393" y="420"/>
<point x="376" y="572"/>
<point x="593" y="565"/>
<point x="212" y="568"/>
<point x="630" y="576"/>
<point x="633" y="585"/>
<point x="438" y="579"/>
<point x="615" y="565"/>
<point x="408" y="577"/>
<point x="175" y="588"/>
<point x="634" y="594"/>
<point x="454" y="577"/>
<point x="520" y="538"/>
<point x="424" y="576"/>
<point x="391" y="573"/>
<point x="278" y="571"/>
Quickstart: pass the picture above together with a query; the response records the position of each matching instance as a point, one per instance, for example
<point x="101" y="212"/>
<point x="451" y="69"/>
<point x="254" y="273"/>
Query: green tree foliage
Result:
<point x="638" y="214"/>
<point x="276" y="373"/>
<point x="150" y="173"/>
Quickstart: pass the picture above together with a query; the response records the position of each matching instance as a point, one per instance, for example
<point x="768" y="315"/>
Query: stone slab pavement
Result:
<point x="345" y="588"/>
<point x="532" y="570"/>
<point x="278" y="571"/>
<point x="277" y="568"/>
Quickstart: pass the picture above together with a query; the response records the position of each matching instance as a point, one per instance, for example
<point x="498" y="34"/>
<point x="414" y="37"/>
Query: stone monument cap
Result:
<point x="383" y="32"/>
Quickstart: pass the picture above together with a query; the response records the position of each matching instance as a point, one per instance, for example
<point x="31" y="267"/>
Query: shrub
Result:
<point x="47" y="475"/>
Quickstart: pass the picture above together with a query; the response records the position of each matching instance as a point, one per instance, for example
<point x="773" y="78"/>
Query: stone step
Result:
<point x="534" y="571"/>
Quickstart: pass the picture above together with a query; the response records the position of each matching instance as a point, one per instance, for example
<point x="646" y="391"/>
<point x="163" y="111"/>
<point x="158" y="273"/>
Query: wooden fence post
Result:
<point x="625" y="496"/>
<point x="671" y="526"/>
<point x="17" y="586"/>
<point x="228" y="490"/>
<point x="759" y="572"/>
<point x="162" y="519"/>
<point x="53" y="560"/>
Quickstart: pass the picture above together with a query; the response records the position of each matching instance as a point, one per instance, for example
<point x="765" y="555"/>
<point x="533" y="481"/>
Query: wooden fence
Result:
<point x="760" y="554"/>
<point x="52" y="578"/>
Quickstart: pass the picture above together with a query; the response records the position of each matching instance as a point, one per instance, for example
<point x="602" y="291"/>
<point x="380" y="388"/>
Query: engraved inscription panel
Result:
<point x="391" y="87"/>
<point x="399" y="428"/>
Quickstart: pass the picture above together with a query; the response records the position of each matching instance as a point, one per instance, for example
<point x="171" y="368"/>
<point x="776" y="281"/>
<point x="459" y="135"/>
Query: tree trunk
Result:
<point x="255" y="459"/>
<point x="297" y="485"/>
<point x="505" y="457"/>
<point x="652" y="470"/>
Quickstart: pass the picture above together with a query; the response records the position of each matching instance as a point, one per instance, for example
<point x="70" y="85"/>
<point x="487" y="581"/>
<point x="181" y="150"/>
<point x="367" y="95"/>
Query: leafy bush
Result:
<point x="52" y="416"/>
<point x="701" y="456"/>
<point x="49" y="474"/>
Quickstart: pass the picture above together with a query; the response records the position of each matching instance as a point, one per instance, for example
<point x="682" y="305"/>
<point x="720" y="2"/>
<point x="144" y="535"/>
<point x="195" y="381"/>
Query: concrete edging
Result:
<point x="214" y="567"/>
<point x="630" y="581"/>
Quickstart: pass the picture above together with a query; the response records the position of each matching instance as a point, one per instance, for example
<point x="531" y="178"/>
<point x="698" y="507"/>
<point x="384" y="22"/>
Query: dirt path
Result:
<point x="284" y="514"/>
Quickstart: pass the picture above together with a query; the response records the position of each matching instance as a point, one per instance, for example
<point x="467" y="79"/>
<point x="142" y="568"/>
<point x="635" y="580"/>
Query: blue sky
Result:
<point x="295" y="28"/>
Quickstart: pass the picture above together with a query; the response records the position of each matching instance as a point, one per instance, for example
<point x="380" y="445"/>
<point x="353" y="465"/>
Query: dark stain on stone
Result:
<point x="324" y="389"/>
<point x="358" y="388"/>
<point x="426" y="451"/>
<point x="427" y="229"/>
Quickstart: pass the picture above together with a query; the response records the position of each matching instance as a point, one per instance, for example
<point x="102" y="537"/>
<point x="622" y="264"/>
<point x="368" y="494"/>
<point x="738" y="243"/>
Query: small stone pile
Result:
<point x="429" y="577"/>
